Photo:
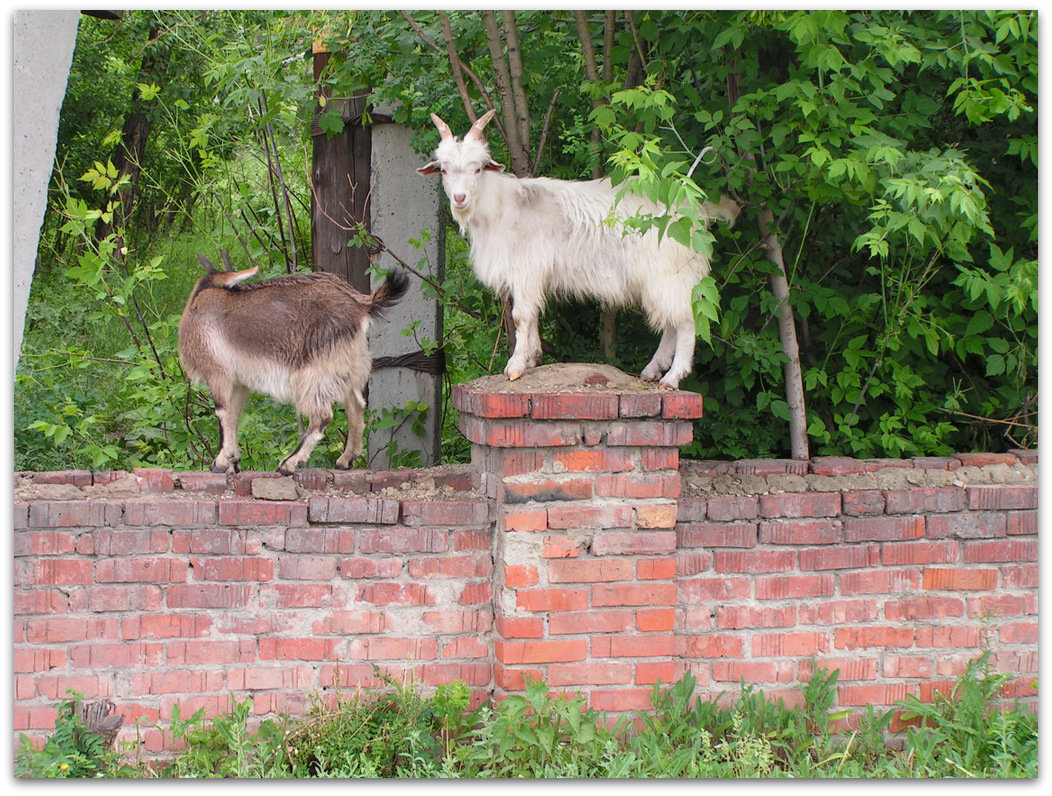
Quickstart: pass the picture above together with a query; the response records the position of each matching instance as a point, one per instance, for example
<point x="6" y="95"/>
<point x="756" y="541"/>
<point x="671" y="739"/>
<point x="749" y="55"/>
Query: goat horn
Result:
<point x="226" y="260"/>
<point x="206" y="263"/>
<point x="476" y="129"/>
<point x="443" y="128"/>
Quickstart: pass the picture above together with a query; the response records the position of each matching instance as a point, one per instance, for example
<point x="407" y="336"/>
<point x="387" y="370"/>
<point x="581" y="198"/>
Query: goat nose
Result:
<point x="459" y="198"/>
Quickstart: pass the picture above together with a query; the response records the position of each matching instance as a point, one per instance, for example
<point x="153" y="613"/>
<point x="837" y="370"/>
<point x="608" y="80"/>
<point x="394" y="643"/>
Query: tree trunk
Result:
<point x="794" y="383"/>
<point x="127" y="158"/>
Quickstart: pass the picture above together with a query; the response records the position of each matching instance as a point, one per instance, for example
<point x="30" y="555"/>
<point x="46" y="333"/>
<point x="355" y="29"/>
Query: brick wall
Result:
<point x="575" y="548"/>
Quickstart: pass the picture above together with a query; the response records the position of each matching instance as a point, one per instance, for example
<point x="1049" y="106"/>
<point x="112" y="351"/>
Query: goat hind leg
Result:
<point x="319" y="421"/>
<point x="683" y="362"/>
<point x="355" y="406"/>
<point x="663" y="357"/>
<point x="229" y="403"/>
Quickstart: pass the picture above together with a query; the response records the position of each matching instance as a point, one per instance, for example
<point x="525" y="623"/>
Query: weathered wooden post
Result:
<point x="367" y="175"/>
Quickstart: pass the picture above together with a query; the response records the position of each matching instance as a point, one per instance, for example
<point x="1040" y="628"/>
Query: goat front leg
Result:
<point x="319" y="420"/>
<point x="355" y="407"/>
<point x="230" y="401"/>
<point x="527" y="351"/>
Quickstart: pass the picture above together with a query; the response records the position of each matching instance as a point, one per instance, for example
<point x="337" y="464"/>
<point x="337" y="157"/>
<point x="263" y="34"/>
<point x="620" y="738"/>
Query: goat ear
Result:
<point x="494" y="166"/>
<point x="443" y="128"/>
<point x="480" y="124"/>
<point x="429" y="168"/>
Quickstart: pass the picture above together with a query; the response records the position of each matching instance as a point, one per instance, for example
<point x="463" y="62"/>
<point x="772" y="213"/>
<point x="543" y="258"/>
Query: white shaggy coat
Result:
<point x="537" y="237"/>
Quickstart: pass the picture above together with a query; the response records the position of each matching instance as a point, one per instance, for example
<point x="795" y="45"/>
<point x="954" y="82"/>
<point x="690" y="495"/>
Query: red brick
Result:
<point x="381" y="593"/>
<point x="580" y="406"/>
<point x="557" y="546"/>
<point x="519" y="626"/>
<point x="886" y="581"/>
<point x="462" y="567"/>
<point x="257" y="512"/>
<point x="548" y="489"/>
<point x="651" y="594"/>
<point x="836" y="465"/>
<point x="983" y="459"/>
<point x="656" y="515"/>
<point x="427" y="513"/>
<point x="883" y="695"/>
<point x="800" y="532"/>
<point x="620" y="700"/>
<point x="872" y="636"/>
<point x="617" y="620"/>
<point x="754" y="561"/>
<point x="590" y="570"/>
<point x="737" y="617"/>
<point x="925" y="500"/>
<point x="1000" y="551"/>
<point x="598" y="673"/>
<point x="552" y="599"/>
<point x="779" y="645"/>
<point x="782" y="587"/>
<point x="800" y="504"/>
<point x="732" y="534"/>
<point x="724" y="508"/>
<point x="838" y="612"/>
<point x="646" y="645"/>
<point x="641" y="542"/>
<point x="682" y="405"/>
<point x="646" y="404"/>
<point x="958" y="579"/>
<point x="581" y="460"/>
<point x="923" y="608"/>
<point x="752" y="672"/>
<point x="589" y="516"/>
<point x="714" y="646"/>
<point x="862" y="501"/>
<point x="649" y="433"/>
<point x="492" y="404"/>
<point x="638" y="485"/>
<point x="1003" y="497"/>
<point x="250" y="569"/>
<point x="540" y="651"/>
<point x="967" y="525"/>
<point x="656" y="568"/>
<point x="1022" y="522"/>
<point x="699" y="590"/>
<point x="140" y="570"/>
<point x="209" y="595"/>
<point x="902" y="553"/>
<point x="883" y="529"/>
<point x="656" y="620"/>
<point x="856" y="557"/>
<point x="397" y="539"/>
<point x="523" y="519"/>
<point x="517" y="577"/>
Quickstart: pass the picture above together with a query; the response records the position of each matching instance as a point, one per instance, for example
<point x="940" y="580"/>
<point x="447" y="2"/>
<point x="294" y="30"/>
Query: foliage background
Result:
<point x="896" y="151"/>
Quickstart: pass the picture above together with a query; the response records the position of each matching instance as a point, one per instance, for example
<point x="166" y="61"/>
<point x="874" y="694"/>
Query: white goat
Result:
<point x="300" y="339"/>
<point x="531" y="238"/>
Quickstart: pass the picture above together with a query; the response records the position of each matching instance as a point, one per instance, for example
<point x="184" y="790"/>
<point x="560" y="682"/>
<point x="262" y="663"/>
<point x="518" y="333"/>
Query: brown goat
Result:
<point x="300" y="339"/>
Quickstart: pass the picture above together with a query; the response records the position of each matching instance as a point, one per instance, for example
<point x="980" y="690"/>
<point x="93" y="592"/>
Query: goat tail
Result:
<point x="393" y="290"/>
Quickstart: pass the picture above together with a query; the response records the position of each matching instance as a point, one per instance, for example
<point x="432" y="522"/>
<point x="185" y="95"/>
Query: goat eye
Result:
<point x="478" y="170"/>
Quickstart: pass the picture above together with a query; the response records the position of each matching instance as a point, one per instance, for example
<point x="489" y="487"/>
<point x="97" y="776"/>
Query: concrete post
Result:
<point x="402" y="205"/>
<point x="43" y="51"/>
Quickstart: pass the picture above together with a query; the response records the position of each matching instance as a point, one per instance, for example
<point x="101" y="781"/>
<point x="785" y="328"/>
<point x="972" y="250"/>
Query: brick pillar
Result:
<point x="582" y="462"/>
